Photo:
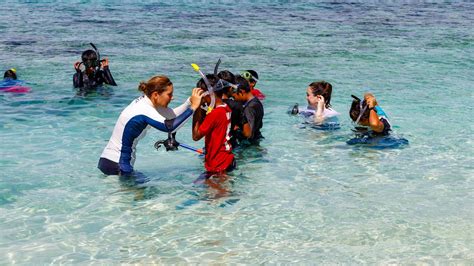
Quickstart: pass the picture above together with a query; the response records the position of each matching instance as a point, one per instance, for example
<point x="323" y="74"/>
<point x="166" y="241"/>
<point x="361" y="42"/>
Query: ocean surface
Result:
<point x="303" y="196"/>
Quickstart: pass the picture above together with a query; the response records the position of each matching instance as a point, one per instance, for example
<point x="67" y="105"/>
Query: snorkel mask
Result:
<point x="362" y="108"/>
<point x="170" y="143"/>
<point x="93" y="63"/>
<point x="222" y="84"/>
<point x="248" y="76"/>
<point x="209" y="88"/>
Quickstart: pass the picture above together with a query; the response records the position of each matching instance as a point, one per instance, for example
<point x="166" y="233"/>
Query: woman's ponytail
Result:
<point x="156" y="83"/>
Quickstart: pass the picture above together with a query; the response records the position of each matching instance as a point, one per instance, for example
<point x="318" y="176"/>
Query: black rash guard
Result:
<point x="94" y="80"/>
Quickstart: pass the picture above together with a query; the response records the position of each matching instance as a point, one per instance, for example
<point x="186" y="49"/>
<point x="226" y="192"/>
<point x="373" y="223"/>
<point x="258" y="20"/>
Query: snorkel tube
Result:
<point x="209" y="87"/>
<point x="98" y="54"/>
<point x="216" y="68"/>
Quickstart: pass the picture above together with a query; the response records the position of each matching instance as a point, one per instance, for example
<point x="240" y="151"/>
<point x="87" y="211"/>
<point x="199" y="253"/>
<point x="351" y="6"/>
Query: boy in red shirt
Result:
<point x="215" y="128"/>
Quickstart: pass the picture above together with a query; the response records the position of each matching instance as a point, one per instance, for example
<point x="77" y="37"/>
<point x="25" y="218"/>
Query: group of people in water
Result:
<point x="226" y="110"/>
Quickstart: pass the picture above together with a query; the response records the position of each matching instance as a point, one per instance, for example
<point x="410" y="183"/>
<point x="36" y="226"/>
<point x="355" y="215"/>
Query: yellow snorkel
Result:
<point x="209" y="87"/>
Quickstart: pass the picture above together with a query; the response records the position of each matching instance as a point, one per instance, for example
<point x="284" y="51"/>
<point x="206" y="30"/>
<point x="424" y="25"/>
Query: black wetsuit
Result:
<point x="253" y="114"/>
<point x="87" y="82"/>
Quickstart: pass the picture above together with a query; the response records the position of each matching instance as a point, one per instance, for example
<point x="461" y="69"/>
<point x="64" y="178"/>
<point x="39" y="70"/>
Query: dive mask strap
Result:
<point x="247" y="75"/>
<point x="362" y="111"/>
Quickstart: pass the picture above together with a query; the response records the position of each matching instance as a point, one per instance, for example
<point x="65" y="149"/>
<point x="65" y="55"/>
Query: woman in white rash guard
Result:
<point x="150" y="109"/>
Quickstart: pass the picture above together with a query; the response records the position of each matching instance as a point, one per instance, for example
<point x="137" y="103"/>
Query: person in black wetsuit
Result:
<point x="95" y="74"/>
<point x="252" y="116"/>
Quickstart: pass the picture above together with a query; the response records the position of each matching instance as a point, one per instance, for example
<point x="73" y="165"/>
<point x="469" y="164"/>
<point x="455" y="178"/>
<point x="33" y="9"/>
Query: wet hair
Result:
<point x="324" y="89"/>
<point x="242" y="83"/>
<point x="254" y="74"/>
<point x="227" y="76"/>
<point x="10" y="74"/>
<point x="156" y="83"/>
<point x="356" y="107"/>
<point x="89" y="55"/>
<point x="213" y="81"/>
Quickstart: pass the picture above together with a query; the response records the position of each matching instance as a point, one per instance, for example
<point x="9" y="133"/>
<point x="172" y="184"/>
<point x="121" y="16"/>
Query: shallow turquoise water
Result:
<point x="304" y="196"/>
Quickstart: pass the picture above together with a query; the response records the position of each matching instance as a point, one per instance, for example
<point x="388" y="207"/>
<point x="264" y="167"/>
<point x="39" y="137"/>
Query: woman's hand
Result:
<point x="370" y="100"/>
<point x="320" y="104"/>
<point x="196" y="98"/>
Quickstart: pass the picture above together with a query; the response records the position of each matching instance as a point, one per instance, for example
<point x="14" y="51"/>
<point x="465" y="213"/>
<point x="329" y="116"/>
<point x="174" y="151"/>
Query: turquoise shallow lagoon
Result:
<point x="303" y="196"/>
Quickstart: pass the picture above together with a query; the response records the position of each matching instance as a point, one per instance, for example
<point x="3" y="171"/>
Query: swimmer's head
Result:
<point x="212" y="81"/>
<point x="227" y="76"/>
<point x="11" y="73"/>
<point x="242" y="87"/>
<point x="217" y="85"/>
<point x="322" y="88"/>
<point x="159" y="89"/>
<point x="89" y="58"/>
<point x="251" y="76"/>
<point x="359" y="111"/>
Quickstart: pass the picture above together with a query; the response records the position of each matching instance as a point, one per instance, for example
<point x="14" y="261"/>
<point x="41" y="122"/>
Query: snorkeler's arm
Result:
<point x="247" y="130"/>
<point x="197" y="121"/>
<point x="77" y="80"/>
<point x="108" y="77"/>
<point x="319" y="115"/>
<point x="246" y="124"/>
<point x="374" y="121"/>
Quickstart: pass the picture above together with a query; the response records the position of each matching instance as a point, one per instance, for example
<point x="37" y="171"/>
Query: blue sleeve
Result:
<point x="171" y="125"/>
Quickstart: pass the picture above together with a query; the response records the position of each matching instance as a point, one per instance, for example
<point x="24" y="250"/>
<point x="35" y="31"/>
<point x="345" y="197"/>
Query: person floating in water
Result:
<point x="11" y="83"/>
<point x="148" y="110"/>
<point x="10" y="74"/>
<point x="319" y="110"/>
<point x="96" y="71"/>
<point x="373" y="129"/>
<point x="368" y="113"/>
<point x="215" y="128"/>
<point x="252" y="77"/>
